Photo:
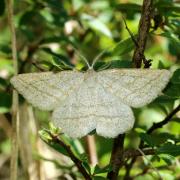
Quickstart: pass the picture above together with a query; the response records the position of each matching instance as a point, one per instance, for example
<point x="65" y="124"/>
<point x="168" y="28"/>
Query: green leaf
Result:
<point x="120" y="64"/>
<point x="147" y="139"/>
<point x="129" y="7"/>
<point x="59" y="62"/>
<point x="77" y="4"/>
<point x="53" y="129"/>
<point x="168" y="6"/>
<point x="99" y="178"/>
<point x="173" y="90"/>
<point x="3" y="83"/>
<point x="6" y="64"/>
<point x="176" y="77"/>
<point x="87" y="166"/>
<point x="84" y="157"/>
<point x="5" y="102"/>
<point x="171" y="149"/>
<point x="5" y="48"/>
<point x="167" y="158"/>
<point x="44" y="135"/>
<point x="97" y="24"/>
<point x="123" y="47"/>
<point x="160" y="138"/>
<point x="105" y="169"/>
<point x="2" y="7"/>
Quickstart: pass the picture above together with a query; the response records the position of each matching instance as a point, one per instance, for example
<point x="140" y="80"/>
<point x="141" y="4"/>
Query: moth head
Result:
<point x="90" y="67"/>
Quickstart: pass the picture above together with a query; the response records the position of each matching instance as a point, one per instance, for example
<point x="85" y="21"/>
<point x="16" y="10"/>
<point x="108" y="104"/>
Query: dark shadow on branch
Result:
<point x="76" y="161"/>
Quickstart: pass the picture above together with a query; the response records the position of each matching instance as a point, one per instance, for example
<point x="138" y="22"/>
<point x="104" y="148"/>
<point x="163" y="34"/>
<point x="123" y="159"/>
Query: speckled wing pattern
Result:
<point x="47" y="90"/>
<point x="82" y="102"/>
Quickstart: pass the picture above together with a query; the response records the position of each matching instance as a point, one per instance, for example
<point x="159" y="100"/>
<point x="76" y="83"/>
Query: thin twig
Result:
<point x="138" y="57"/>
<point x="147" y="63"/>
<point x="76" y="161"/>
<point x="165" y="121"/>
<point x="116" y="157"/>
<point x="143" y="31"/>
<point x="150" y="163"/>
<point x="15" y="103"/>
<point x="134" y="152"/>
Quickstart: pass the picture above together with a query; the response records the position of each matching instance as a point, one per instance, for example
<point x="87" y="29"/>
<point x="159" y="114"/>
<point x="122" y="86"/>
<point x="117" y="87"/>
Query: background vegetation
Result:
<point x="48" y="32"/>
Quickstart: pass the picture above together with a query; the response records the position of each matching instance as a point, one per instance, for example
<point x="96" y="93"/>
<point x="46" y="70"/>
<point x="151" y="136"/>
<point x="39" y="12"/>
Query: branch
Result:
<point x="144" y="26"/>
<point x="134" y="153"/>
<point x="116" y="157"/>
<point x="147" y="63"/>
<point x="138" y="57"/>
<point x="165" y="121"/>
<point x="76" y="161"/>
<point x="15" y="103"/>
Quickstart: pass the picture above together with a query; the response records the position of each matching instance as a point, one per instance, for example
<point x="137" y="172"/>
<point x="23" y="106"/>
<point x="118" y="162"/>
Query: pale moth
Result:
<point x="84" y="101"/>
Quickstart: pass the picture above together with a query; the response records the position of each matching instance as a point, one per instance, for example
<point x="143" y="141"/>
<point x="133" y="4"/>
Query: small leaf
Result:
<point x="44" y="135"/>
<point x="105" y="169"/>
<point x="2" y="7"/>
<point x="120" y="64"/>
<point x="97" y="24"/>
<point x="147" y="138"/>
<point x="173" y="90"/>
<point x="77" y="4"/>
<point x="5" y="102"/>
<point x="5" y="48"/>
<point x="176" y="77"/>
<point x="167" y="158"/>
<point x="129" y="7"/>
<point x="123" y="47"/>
<point x="84" y="157"/>
<point x="168" y="6"/>
<point x="170" y="149"/>
<point x="87" y="166"/>
<point x="99" y="178"/>
<point x="53" y="129"/>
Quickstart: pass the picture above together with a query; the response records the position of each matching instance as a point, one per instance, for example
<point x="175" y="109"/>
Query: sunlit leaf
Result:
<point x="123" y="47"/>
<point x="47" y="139"/>
<point x="97" y="24"/>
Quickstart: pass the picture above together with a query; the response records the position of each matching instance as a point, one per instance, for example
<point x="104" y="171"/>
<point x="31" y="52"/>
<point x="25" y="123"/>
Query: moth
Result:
<point x="83" y="101"/>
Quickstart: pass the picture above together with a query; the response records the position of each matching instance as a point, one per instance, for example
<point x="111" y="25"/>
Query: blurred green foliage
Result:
<point x="49" y="31"/>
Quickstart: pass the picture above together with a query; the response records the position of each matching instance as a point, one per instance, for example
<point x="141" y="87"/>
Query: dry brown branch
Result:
<point x="15" y="103"/>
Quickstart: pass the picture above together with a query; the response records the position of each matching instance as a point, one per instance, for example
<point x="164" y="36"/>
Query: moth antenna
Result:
<point x="97" y="57"/>
<point x="83" y="57"/>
